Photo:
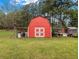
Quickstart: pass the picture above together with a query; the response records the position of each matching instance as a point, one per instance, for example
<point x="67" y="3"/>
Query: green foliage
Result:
<point x="55" y="8"/>
<point x="20" y="19"/>
<point x="74" y="17"/>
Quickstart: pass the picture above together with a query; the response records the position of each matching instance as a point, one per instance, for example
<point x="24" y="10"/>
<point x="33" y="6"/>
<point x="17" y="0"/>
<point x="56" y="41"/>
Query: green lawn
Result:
<point x="37" y="48"/>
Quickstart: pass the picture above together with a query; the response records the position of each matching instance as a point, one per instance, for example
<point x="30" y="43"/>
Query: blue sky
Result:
<point x="9" y="5"/>
<point x="5" y="2"/>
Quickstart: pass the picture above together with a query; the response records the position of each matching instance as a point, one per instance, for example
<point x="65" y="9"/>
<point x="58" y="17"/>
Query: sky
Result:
<point x="16" y="1"/>
<point x="24" y="2"/>
<point x="8" y="5"/>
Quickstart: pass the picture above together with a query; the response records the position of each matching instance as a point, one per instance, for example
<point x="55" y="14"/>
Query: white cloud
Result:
<point x="17" y="1"/>
<point x="31" y="1"/>
<point x="22" y="2"/>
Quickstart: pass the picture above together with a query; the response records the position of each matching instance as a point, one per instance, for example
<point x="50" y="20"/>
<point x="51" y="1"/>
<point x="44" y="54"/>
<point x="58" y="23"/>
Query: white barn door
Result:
<point x="39" y="32"/>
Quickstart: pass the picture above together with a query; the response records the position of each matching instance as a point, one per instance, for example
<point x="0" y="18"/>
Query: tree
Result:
<point x="74" y="18"/>
<point x="58" y="8"/>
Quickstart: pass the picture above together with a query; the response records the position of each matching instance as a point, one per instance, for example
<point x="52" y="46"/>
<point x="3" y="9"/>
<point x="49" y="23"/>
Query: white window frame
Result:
<point x="39" y="32"/>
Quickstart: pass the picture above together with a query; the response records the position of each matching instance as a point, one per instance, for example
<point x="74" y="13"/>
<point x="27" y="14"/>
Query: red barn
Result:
<point x="39" y="27"/>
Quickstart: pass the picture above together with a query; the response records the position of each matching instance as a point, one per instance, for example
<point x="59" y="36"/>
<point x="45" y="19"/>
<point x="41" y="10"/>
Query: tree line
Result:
<point x="59" y="9"/>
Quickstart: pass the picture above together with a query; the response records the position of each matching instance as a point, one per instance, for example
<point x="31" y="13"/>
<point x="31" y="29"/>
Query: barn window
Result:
<point x="37" y="34"/>
<point x="41" y="34"/>
<point x="39" y="31"/>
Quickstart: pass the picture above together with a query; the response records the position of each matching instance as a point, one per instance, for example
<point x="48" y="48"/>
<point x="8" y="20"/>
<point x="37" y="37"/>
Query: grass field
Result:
<point x="37" y="48"/>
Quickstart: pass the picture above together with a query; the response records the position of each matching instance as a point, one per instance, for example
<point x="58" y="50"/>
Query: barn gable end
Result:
<point x="39" y="27"/>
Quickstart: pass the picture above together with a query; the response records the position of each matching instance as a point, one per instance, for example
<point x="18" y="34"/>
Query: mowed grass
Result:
<point x="37" y="48"/>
